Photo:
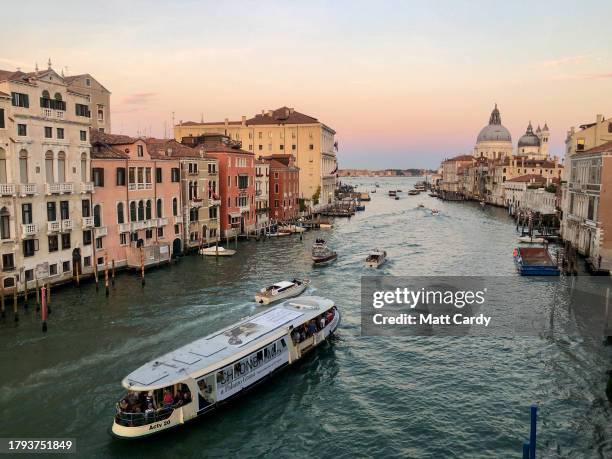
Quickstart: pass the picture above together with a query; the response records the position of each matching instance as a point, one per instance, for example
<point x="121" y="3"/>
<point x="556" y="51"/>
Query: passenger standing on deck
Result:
<point x="168" y="400"/>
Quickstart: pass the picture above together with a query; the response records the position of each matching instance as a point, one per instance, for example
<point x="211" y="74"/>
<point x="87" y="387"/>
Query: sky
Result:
<point x="404" y="84"/>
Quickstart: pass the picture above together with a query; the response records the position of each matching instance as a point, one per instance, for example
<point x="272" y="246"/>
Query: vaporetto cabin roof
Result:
<point x="225" y="346"/>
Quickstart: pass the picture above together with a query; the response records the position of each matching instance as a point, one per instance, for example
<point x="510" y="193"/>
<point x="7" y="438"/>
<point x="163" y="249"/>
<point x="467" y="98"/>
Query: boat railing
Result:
<point x="140" y="419"/>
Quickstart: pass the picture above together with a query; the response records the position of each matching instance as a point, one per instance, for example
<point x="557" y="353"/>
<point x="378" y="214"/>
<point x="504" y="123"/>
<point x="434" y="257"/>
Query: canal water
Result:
<point x="355" y="397"/>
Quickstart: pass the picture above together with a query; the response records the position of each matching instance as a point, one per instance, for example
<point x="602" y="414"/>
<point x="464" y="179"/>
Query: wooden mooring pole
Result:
<point x="43" y="311"/>
<point x="113" y="272"/>
<point x="2" y="306"/>
<point x="106" y="286"/>
<point x="142" y="266"/>
<point x="37" y="296"/>
<point x="15" y="311"/>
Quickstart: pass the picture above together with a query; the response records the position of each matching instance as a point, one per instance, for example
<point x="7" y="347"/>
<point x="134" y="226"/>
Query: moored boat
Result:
<point x="531" y="239"/>
<point x="392" y="193"/>
<point x="322" y="254"/>
<point x="376" y="258"/>
<point x="413" y="192"/>
<point x="217" y="251"/>
<point x="197" y="379"/>
<point x="534" y="261"/>
<point x="435" y="212"/>
<point x="281" y="291"/>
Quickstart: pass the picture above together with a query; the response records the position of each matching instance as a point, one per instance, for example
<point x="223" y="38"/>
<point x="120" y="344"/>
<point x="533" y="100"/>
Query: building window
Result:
<point x="149" y="210"/>
<point x="60" y="133"/>
<point x="101" y="113"/>
<point x="175" y="175"/>
<point x="53" y="243"/>
<point x="2" y="125"/>
<point x="20" y="100"/>
<point x="120" y="216"/>
<point x="83" y="136"/>
<point x="86" y="208"/>
<point x="53" y="270"/>
<point x="8" y="262"/>
<point x="149" y="233"/>
<point x="97" y="174"/>
<point x="87" y="262"/>
<point x="121" y="176"/>
<point x="160" y="231"/>
<point x="64" y="210"/>
<point x="133" y="216"/>
<point x="260" y="147"/>
<point x="311" y="147"/>
<point x="29" y="247"/>
<point x="174" y="207"/>
<point x="22" y="130"/>
<point x="141" y="212"/>
<point x="5" y="227"/>
<point x="177" y="229"/>
<point x="65" y="241"/>
<point x="97" y="213"/>
<point x="140" y="151"/>
<point x="123" y="240"/>
<point x="87" y="237"/>
<point x="66" y="266"/>
<point x="158" y="175"/>
<point x="99" y="244"/>
<point x="26" y="213"/>
<point x="48" y="132"/>
<point x="82" y="110"/>
<point x="51" y="211"/>
<point x="159" y="208"/>
<point x="281" y="147"/>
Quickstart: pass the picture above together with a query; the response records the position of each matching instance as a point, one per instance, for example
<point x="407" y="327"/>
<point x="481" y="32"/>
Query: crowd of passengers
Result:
<point x="313" y="326"/>
<point x="141" y="402"/>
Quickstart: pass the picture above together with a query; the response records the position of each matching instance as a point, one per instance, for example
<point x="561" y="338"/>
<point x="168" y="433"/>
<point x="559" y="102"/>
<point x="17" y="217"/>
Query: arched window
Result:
<point x="46" y="95"/>
<point x="120" y="218"/>
<point x="49" y="175"/>
<point x="23" y="166"/>
<point x="141" y="210"/>
<point x="61" y="167"/>
<point x="83" y="167"/>
<point x="5" y="227"/>
<point x="58" y="96"/>
<point x="149" y="209"/>
<point x="174" y="207"/>
<point x="133" y="215"/>
<point x="159" y="208"/>
<point x="3" y="177"/>
<point x="97" y="216"/>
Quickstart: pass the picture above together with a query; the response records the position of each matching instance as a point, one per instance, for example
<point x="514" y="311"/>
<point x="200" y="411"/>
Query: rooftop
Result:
<point x="529" y="178"/>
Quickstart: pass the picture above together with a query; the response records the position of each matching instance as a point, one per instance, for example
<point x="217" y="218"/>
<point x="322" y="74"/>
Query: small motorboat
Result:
<point x="322" y="254"/>
<point x="373" y="191"/>
<point x="359" y="207"/>
<point x="325" y="225"/>
<point x="483" y="204"/>
<point x="291" y="229"/>
<point x="392" y="193"/>
<point x="281" y="291"/>
<point x="435" y="212"/>
<point x="217" y="251"/>
<point x="531" y="239"/>
<point x="534" y="261"/>
<point x="397" y="198"/>
<point x="376" y="258"/>
<point x="413" y="192"/>
<point x="377" y="185"/>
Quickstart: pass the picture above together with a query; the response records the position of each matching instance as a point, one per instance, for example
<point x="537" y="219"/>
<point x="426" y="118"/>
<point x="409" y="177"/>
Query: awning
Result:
<point x="235" y="215"/>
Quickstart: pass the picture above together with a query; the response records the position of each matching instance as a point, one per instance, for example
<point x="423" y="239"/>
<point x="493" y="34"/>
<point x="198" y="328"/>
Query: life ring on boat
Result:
<point x="515" y="253"/>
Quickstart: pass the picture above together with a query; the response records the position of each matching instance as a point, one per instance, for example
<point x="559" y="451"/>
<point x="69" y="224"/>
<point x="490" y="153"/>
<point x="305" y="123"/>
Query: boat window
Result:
<point x="260" y="355"/>
<point x="283" y="342"/>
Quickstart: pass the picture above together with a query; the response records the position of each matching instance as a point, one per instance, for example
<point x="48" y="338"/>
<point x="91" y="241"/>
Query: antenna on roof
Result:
<point x="49" y="63"/>
<point x="202" y="118"/>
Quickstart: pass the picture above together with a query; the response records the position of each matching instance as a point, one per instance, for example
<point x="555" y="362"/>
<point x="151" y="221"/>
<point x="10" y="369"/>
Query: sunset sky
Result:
<point x="404" y="83"/>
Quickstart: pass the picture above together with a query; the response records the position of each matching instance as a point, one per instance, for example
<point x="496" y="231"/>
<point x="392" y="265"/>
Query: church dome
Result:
<point x="529" y="139"/>
<point x="494" y="131"/>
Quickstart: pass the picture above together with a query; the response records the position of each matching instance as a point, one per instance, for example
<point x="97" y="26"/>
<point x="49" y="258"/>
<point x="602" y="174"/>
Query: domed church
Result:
<point x="494" y="140"/>
<point x="534" y="145"/>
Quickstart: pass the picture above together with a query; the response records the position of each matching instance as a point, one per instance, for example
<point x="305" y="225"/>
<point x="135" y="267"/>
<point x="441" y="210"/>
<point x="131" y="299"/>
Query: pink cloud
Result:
<point x="139" y="98"/>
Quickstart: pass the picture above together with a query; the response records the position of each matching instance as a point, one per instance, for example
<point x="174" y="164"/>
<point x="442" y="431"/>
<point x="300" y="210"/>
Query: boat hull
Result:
<point x="323" y="261"/>
<point x="177" y="418"/>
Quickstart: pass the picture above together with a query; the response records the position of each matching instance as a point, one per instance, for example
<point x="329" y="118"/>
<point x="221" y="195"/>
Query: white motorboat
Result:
<point x="376" y="258"/>
<point x="531" y="239"/>
<point x="435" y="212"/>
<point x="291" y="229"/>
<point x="200" y="377"/>
<point x="217" y="250"/>
<point x="322" y="254"/>
<point x="325" y="225"/>
<point x="281" y="291"/>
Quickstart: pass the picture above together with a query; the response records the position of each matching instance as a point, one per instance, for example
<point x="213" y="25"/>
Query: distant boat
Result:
<point x="435" y="212"/>
<point x="217" y="250"/>
<point x="392" y="193"/>
<point x="413" y="192"/>
<point x="534" y="261"/>
<point x="421" y="206"/>
<point x="531" y="239"/>
<point x="376" y="258"/>
<point x="322" y="254"/>
<point x="281" y="291"/>
<point x="377" y="185"/>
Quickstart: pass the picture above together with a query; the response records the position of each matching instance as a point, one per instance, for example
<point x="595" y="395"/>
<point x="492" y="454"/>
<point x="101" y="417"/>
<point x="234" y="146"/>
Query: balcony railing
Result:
<point x="163" y="221"/>
<point x="178" y="219"/>
<point x="60" y="188"/>
<point x="8" y="189"/>
<point x="196" y="202"/>
<point x="54" y="227"/>
<point x="88" y="222"/>
<point x="214" y="202"/>
<point x="125" y="227"/>
<point x="67" y="225"/>
<point x="100" y="231"/>
<point x="246" y="208"/>
<point x="87" y="187"/>
<point x="28" y="189"/>
<point x="150" y="223"/>
<point x="243" y="191"/>
<point x="29" y="229"/>
<point x="50" y="113"/>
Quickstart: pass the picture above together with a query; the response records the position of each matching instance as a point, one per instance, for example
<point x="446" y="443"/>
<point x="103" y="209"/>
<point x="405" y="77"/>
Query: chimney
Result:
<point x="226" y="121"/>
<point x="263" y="112"/>
<point x="600" y="118"/>
<point x="269" y="113"/>
<point x="243" y="120"/>
<point x="291" y="110"/>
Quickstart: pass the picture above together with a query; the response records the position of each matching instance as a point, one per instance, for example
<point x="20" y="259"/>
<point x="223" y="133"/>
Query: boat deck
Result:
<point x="201" y="356"/>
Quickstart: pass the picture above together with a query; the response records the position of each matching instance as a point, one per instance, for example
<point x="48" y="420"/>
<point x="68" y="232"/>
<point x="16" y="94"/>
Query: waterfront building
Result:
<point x="137" y="202"/>
<point x="284" y="187"/>
<point x="452" y="170"/>
<point x="587" y="204"/>
<point x="99" y="99"/>
<point x="237" y="214"/>
<point x="494" y="140"/>
<point x="200" y="198"/>
<point x="528" y="193"/>
<point x="588" y="136"/>
<point x="262" y="194"/>
<point x="45" y="184"/>
<point x="283" y="131"/>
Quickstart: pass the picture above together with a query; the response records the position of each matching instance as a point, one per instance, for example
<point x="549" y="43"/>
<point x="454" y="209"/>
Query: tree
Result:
<point x="316" y="196"/>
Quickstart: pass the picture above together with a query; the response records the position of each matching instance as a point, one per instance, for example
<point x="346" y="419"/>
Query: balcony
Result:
<point x="54" y="227"/>
<point x="60" y="188"/>
<point x="163" y="221"/>
<point x="8" y="189"/>
<point x="88" y="222"/>
<point x="100" y="231"/>
<point x="243" y="191"/>
<point x="28" y="189"/>
<point x="67" y="225"/>
<point x="178" y="219"/>
<point x="30" y="229"/>
<point x="150" y="223"/>
<point x="214" y="172"/>
<point x="137" y="226"/>
<point x="53" y="114"/>
<point x="214" y="202"/>
<point x="196" y="202"/>
<point x="243" y="209"/>
<point x="87" y="187"/>
<point x="125" y="227"/>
